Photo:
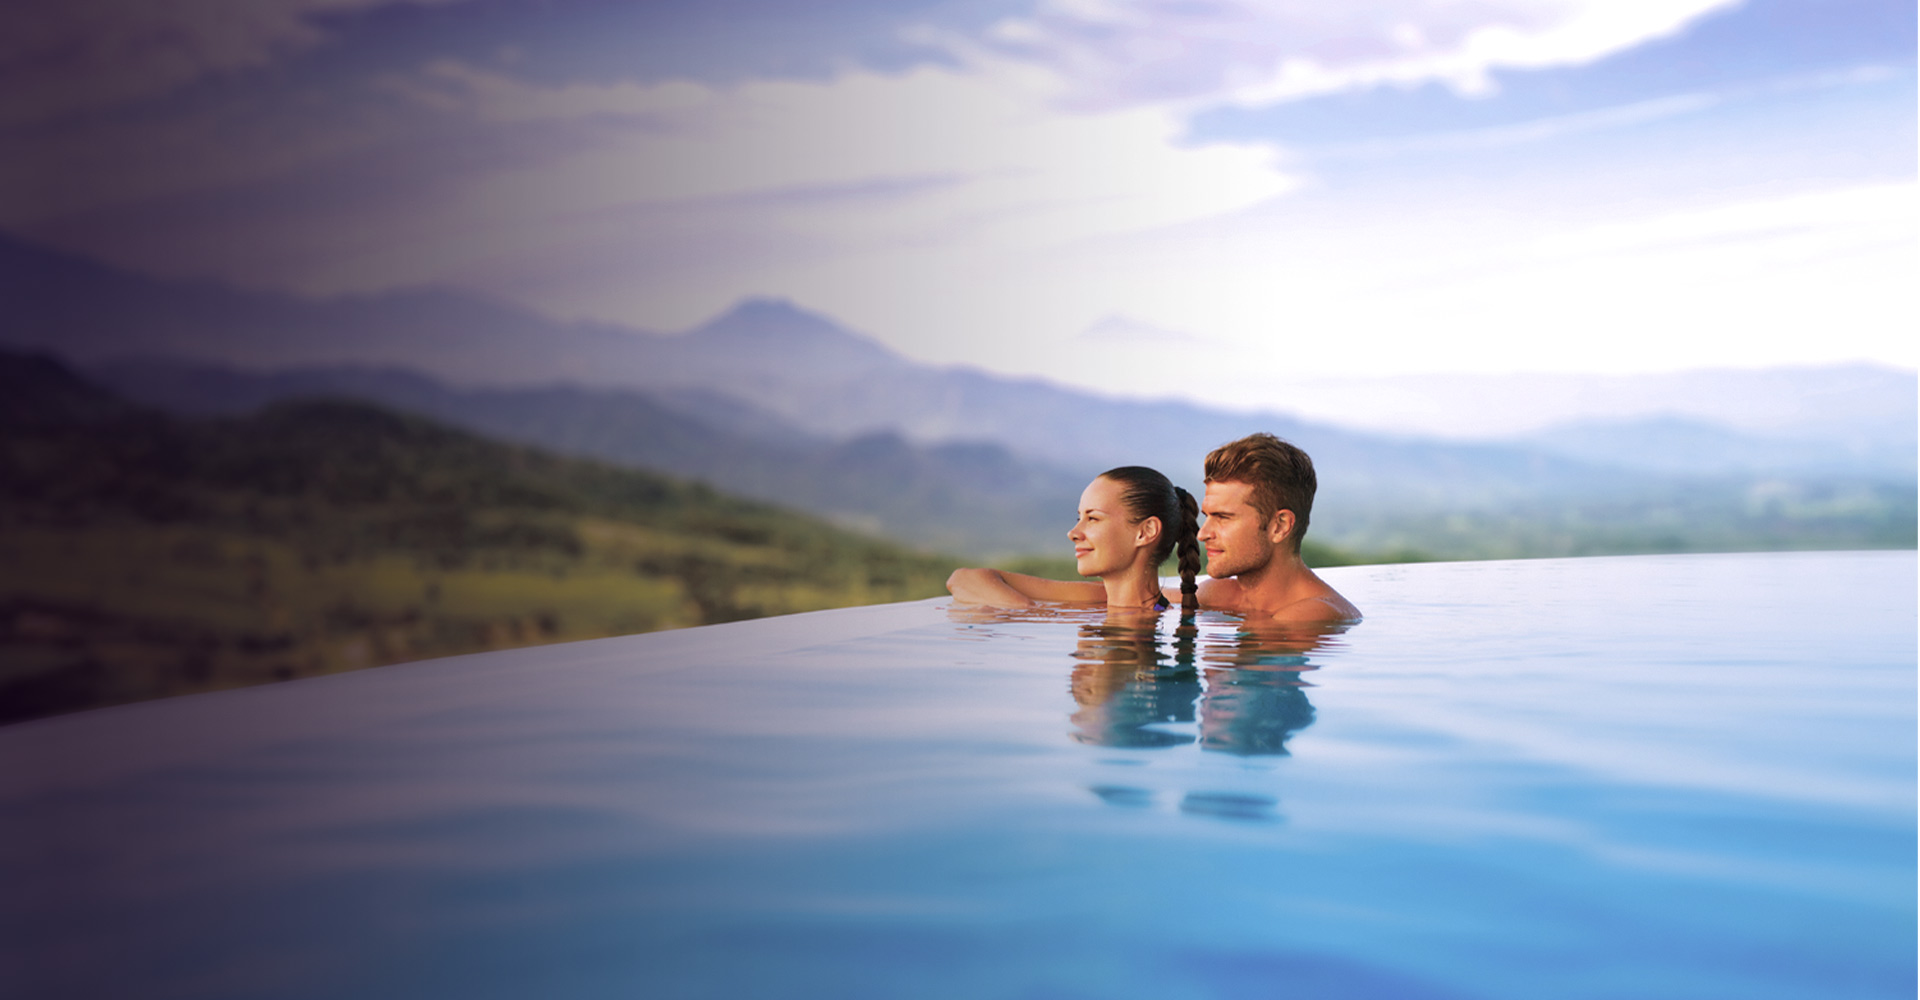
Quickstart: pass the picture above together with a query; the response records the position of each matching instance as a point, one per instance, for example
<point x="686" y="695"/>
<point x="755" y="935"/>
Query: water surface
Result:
<point x="1688" y="776"/>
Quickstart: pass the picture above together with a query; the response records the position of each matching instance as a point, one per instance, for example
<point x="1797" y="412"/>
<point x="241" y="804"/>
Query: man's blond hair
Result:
<point x="1280" y="474"/>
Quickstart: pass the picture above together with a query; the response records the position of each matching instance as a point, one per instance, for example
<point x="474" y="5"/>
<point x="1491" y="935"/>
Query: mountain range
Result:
<point x="950" y="497"/>
<point x="143" y="554"/>
<point x="775" y="402"/>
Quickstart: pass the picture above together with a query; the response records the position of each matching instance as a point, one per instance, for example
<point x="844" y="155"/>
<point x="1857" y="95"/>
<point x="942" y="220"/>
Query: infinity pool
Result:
<point x="1645" y="777"/>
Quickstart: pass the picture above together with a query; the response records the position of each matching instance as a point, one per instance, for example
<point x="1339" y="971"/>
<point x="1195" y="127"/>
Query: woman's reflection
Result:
<point x="1125" y="682"/>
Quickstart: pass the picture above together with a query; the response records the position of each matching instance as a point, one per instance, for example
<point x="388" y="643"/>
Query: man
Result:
<point x="1258" y="500"/>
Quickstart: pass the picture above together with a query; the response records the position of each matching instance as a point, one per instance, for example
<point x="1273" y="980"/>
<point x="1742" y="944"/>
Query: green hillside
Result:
<point x="143" y="556"/>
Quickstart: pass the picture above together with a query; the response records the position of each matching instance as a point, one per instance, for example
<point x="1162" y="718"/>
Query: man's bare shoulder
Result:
<point x="1220" y="595"/>
<point x="1327" y="608"/>
<point x="1320" y="604"/>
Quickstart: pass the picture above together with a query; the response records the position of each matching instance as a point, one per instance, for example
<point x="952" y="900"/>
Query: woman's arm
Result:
<point x="1018" y="590"/>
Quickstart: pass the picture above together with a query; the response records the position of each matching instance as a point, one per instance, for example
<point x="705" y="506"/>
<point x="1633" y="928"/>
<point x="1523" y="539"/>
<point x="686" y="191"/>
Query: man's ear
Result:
<point x="1280" y="526"/>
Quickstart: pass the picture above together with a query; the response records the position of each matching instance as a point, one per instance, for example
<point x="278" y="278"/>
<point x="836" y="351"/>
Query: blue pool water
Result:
<point x="1646" y="777"/>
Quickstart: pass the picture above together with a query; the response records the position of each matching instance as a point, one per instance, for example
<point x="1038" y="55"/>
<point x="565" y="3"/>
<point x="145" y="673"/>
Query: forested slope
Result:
<point x="143" y="555"/>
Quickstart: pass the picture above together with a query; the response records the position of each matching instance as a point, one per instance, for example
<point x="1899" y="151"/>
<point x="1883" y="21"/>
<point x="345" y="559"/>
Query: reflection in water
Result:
<point x="1255" y="698"/>
<point x="1131" y="678"/>
<point x="1123" y="795"/>
<point x="1252" y="712"/>
<point x="1227" y="805"/>
<point x="1125" y="683"/>
<point x="1140" y="678"/>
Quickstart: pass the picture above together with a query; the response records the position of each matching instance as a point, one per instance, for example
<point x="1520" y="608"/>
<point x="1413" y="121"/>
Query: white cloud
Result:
<point x="1119" y="52"/>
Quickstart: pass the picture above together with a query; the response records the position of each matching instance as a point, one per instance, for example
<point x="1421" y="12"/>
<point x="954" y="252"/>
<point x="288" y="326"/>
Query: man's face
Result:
<point x="1236" y="539"/>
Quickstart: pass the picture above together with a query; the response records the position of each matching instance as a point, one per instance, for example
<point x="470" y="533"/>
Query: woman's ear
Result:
<point x="1149" y="531"/>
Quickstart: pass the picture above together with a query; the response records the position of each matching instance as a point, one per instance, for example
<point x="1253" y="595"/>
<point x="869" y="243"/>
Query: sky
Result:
<point x="1193" y="198"/>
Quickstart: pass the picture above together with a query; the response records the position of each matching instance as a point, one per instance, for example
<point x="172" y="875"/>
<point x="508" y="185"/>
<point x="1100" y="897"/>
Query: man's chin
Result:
<point x="1226" y="569"/>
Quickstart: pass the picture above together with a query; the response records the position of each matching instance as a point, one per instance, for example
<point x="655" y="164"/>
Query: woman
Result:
<point x="1131" y="519"/>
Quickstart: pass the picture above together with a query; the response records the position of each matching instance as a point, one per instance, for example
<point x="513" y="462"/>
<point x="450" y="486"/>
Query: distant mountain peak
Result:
<point x="772" y="305"/>
<point x="766" y="323"/>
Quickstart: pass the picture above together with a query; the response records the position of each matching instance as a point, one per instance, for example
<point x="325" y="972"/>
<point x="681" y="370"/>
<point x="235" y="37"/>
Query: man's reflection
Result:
<point x="1251" y="713"/>
<point x="1255" y="696"/>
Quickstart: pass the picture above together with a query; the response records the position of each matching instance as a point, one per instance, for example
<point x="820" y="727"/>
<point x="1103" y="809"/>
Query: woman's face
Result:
<point x="1103" y="541"/>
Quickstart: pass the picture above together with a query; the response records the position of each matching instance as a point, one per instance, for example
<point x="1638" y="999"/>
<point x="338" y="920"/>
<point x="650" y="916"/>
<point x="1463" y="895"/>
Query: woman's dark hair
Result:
<point x="1146" y="493"/>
